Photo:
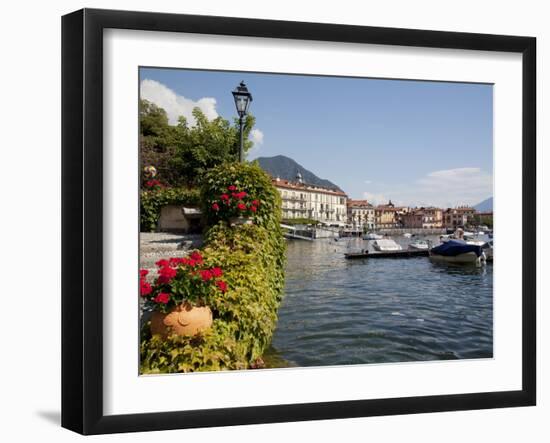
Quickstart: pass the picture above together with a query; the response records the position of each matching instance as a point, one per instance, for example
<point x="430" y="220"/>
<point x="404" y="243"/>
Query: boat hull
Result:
<point x="461" y="259"/>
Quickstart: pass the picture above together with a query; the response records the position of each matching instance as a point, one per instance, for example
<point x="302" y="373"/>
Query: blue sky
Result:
<point x="415" y="142"/>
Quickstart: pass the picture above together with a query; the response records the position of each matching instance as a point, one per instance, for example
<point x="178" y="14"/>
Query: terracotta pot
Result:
<point x="183" y="319"/>
<point x="237" y="221"/>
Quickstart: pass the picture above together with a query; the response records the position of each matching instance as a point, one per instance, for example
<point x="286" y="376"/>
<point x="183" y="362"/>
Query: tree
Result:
<point x="183" y="153"/>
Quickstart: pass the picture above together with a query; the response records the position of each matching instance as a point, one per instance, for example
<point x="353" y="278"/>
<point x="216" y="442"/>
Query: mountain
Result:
<point x="485" y="205"/>
<point x="286" y="169"/>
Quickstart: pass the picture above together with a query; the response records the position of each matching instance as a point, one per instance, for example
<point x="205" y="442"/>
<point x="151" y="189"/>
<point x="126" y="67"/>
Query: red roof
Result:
<point x="359" y="203"/>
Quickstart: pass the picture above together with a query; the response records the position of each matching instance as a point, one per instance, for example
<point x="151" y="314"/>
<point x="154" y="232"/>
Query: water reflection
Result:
<point x="339" y="311"/>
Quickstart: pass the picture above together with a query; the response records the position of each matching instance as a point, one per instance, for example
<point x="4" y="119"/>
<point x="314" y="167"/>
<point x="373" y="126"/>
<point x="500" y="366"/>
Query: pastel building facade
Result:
<point x="301" y="200"/>
<point x="361" y="214"/>
<point x="425" y="218"/>
<point x="386" y="216"/>
<point x="457" y="217"/>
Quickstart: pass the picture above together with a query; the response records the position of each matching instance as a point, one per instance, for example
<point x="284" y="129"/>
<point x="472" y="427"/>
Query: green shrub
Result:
<point x="248" y="177"/>
<point x="245" y="315"/>
<point x="151" y="202"/>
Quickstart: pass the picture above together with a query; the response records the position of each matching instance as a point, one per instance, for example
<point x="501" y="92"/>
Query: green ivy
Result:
<point x="152" y="201"/>
<point x="253" y="259"/>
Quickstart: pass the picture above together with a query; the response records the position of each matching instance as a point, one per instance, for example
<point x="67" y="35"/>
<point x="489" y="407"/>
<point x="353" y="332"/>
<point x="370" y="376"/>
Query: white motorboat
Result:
<point x="386" y="245"/>
<point x="420" y="245"/>
<point x="372" y="236"/>
<point x="407" y="235"/>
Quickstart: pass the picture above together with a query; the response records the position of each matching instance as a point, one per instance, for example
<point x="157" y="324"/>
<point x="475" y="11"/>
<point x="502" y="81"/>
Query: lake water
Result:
<point x="339" y="311"/>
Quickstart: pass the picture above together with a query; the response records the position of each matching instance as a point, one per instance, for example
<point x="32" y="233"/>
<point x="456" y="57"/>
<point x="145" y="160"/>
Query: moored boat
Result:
<point x="372" y="236"/>
<point x="420" y="245"/>
<point x="457" y="252"/>
<point x="386" y="245"/>
<point x="488" y="250"/>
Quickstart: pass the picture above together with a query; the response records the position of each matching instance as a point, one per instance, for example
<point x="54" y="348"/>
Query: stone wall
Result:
<point x="175" y="218"/>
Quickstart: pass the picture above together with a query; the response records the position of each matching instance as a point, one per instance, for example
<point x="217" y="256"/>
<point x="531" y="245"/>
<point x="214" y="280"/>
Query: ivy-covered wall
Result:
<point x="253" y="259"/>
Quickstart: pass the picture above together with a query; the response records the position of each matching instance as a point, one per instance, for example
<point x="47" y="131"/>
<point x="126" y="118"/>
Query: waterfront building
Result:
<point x="413" y="219"/>
<point x="482" y="218"/>
<point x="361" y="214"/>
<point x="432" y="218"/>
<point x="425" y="218"/>
<point x="386" y="216"/>
<point x="303" y="200"/>
<point x="400" y="212"/>
<point x="457" y="217"/>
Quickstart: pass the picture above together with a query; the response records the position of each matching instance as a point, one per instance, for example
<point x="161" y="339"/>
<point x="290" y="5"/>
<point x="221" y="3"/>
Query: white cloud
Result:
<point x="443" y="188"/>
<point x="176" y="105"/>
<point x="368" y="182"/>
<point x="375" y="199"/>
<point x="257" y="137"/>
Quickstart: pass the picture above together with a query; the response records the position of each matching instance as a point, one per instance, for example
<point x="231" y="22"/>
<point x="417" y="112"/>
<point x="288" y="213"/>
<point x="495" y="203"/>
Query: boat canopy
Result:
<point x="453" y="248"/>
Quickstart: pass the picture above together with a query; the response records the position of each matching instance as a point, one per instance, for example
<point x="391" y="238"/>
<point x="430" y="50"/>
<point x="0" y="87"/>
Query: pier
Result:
<point x="302" y="232"/>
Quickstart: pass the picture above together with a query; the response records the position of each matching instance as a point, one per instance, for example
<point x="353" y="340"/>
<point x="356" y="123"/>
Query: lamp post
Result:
<point x="242" y="98"/>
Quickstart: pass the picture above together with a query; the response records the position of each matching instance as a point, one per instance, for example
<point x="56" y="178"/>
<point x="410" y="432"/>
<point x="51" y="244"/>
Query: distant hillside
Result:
<point x="485" y="205"/>
<point x="286" y="169"/>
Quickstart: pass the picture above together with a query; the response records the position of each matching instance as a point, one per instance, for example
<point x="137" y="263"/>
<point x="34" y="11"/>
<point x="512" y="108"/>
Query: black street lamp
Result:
<point x="243" y="98"/>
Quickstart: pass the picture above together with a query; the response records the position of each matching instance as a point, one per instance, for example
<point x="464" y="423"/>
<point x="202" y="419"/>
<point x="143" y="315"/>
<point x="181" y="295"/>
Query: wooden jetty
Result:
<point x="295" y="236"/>
<point x="392" y="254"/>
<point x="298" y="234"/>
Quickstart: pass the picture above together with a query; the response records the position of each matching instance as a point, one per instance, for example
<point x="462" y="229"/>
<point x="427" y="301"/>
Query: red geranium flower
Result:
<point x="166" y="274"/>
<point x="195" y="255"/>
<point x="241" y="206"/>
<point x="143" y="272"/>
<point x="216" y="272"/>
<point x="162" y="263"/>
<point x="144" y="288"/>
<point x="162" y="297"/>
<point x="215" y="207"/>
<point x="231" y="188"/>
<point x="256" y="202"/>
<point x="253" y="208"/>
<point x="154" y="183"/>
<point x="224" y="197"/>
<point x="206" y="275"/>
<point x="221" y="285"/>
<point x="175" y="261"/>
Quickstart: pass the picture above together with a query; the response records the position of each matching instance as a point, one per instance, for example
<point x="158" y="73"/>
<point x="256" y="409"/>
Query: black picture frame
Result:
<point x="82" y="218"/>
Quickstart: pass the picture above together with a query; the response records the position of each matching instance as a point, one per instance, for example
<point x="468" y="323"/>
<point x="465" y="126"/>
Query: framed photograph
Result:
<point x="269" y="221"/>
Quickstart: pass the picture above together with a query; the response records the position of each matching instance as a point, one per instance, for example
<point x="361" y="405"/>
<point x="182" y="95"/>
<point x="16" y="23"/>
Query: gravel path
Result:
<point x="156" y="245"/>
